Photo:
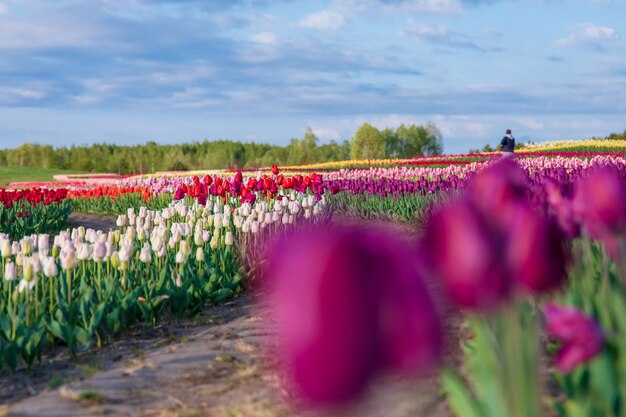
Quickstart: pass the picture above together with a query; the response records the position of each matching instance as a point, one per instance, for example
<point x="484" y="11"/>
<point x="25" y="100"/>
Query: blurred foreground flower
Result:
<point x="491" y="240"/>
<point x="580" y="336"/>
<point x="349" y="304"/>
<point x="600" y="204"/>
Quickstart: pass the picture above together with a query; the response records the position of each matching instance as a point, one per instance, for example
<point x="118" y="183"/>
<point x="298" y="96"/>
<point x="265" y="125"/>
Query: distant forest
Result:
<point x="368" y="143"/>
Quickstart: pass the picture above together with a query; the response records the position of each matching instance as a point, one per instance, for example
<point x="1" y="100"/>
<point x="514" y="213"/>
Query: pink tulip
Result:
<point x="580" y="336"/>
<point x="349" y="305"/>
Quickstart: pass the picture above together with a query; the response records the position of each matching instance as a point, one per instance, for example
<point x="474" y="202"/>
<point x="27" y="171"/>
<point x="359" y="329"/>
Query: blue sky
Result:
<point x="129" y="71"/>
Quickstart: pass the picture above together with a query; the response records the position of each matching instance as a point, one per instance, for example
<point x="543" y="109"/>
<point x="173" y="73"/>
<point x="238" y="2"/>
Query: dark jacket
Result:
<point x="508" y="144"/>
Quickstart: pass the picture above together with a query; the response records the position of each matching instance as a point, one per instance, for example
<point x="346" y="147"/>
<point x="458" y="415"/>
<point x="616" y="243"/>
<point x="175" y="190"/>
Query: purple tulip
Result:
<point x="468" y="255"/>
<point x="600" y="202"/>
<point x="580" y="336"/>
<point x="349" y="305"/>
<point x="496" y="189"/>
<point x="536" y="249"/>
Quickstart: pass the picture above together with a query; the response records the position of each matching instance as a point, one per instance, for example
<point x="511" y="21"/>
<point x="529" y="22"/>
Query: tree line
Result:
<point x="367" y="143"/>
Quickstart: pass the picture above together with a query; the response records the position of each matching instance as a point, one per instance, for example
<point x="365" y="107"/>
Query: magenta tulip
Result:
<point x="600" y="202"/>
<point x="536" y="249"/>
<point x="496" y="188"/>
<point x="468" y="255"/>
<point x="349" y="305"/>
<point x="580" y="336"/>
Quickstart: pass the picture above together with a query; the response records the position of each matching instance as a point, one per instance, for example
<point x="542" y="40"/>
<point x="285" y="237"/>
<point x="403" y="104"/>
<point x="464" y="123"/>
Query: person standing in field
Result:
<point x="508" y="144"/>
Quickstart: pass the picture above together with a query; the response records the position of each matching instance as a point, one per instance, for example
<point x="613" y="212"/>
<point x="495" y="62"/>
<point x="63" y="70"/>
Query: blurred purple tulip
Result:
<point x="600" y="202"/>
<point x="536" y="250"/>
<point x="349" y="304"/>
<point x="495" y="189"/>
<point x="468" y="255"/>
<point x="580" y="336"/>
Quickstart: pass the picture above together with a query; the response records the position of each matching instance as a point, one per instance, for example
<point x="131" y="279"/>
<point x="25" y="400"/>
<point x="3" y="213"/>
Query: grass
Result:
<point x="24" y="174"/>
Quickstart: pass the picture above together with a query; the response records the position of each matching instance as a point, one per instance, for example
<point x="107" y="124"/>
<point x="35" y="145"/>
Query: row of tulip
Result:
<point x="590" y="145"/>
<point x="33" y="210"/>
<point x="498" y="256"/>
<point x="83" y="286"/>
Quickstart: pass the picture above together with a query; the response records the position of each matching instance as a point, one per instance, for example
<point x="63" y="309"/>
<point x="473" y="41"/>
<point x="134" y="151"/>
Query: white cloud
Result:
<point x="266" y="38"/>
<point x="323" y="20"/>
<point x="587" y="34"/>
<point x="10" y="95"/>
<point x="378" y="7"/>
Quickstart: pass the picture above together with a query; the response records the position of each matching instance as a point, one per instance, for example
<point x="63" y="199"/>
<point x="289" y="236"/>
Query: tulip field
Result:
<point x="530" y="252"/>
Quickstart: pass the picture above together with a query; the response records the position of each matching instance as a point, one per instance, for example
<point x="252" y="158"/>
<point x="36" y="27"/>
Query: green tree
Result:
<point x="368" y="143"/>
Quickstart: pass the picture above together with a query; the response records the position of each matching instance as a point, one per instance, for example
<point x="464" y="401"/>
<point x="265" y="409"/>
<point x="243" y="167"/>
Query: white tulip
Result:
<point x="9" y="271"/>
<point x="229" y="239"/>
<point x="50" y="268"/>
<point x="84" y="252"/>
<point x="6" y="248"/>
<point x="200" y="254"/>
<point x="121" y="220"/>
<point x="145" y="255"/>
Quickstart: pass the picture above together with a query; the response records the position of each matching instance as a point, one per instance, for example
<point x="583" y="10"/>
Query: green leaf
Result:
<point x="461" y="401"/>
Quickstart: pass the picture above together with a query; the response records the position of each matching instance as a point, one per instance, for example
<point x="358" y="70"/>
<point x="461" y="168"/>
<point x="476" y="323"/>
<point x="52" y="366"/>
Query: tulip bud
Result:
<point x="6" y="248"/>
<point x="200" y="254"/>
<point x="36" y="263"/>
<point x="15" y="248"/>
<point x="9" y="271"/>
<point x="180" y="257"/>
<point x="184" y="247"/>
<point x="19" y="259"/>
<point x="229" y="239"/>
<point x="115" y="259"/>
<point x="43" y="242"/>
<point x="197" y="238"/>
<point x="28" y="272"/>
<point x="214" y="243"/>
<point x="68" y="261"/>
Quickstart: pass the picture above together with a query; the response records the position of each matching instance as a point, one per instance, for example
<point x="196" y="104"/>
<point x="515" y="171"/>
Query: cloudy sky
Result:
<point x="129" y="71"/>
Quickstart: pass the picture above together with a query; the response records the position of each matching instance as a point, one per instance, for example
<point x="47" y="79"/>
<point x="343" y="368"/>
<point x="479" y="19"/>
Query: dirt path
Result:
<point x="216" y="370"/>
<point x="93" y="221"/>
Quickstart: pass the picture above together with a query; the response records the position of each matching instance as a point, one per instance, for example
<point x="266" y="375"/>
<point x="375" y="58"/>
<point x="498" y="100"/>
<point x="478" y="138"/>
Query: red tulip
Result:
<point x="275" y="169"/>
